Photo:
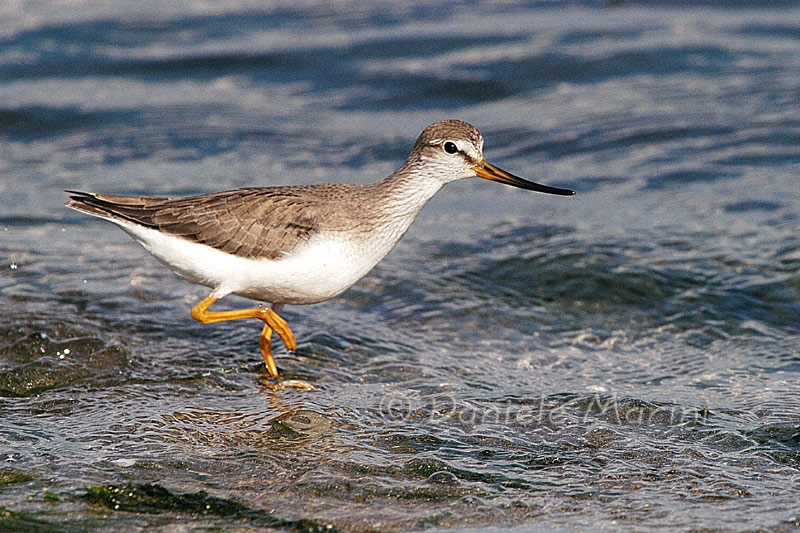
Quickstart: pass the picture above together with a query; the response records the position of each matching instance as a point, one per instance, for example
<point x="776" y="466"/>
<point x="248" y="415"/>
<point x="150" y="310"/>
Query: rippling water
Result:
<point x="624" y="359"/>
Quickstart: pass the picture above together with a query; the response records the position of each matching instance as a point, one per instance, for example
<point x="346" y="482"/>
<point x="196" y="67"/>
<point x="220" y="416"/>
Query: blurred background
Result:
<point x="623" y="359"/>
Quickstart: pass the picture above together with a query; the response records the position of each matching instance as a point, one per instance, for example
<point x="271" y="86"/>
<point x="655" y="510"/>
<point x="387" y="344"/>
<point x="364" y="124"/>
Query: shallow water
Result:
<point x="624" y="359"/>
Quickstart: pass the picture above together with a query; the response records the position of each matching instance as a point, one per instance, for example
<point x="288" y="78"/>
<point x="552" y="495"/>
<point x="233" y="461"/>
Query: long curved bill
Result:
<point x="490" y="172"/>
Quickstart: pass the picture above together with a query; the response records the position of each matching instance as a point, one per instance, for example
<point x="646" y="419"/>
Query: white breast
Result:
<point x="314" y="272"/>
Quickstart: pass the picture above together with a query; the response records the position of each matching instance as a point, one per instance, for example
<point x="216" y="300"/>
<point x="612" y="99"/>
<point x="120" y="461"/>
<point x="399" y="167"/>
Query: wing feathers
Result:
<point x="254" y="223"/>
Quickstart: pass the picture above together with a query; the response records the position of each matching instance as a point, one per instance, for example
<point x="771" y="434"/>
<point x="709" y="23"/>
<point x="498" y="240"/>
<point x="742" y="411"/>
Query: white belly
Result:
<point x="314" y="272"/>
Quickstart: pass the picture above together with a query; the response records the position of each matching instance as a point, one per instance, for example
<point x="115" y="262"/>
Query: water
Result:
<point x="624" y="359"/>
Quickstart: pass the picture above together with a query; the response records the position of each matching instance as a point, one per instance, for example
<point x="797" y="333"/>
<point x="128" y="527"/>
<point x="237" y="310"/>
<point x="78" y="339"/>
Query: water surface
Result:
<point x="623" y="359"/>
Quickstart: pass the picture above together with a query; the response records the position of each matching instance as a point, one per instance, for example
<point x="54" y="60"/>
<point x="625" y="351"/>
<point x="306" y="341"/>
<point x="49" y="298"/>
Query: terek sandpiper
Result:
<point x="295" y="244"/>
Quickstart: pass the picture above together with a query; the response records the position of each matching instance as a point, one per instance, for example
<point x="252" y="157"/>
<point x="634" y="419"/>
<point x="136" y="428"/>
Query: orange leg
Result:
<point x="272" y="322"/>
<point x="265" y="344"/>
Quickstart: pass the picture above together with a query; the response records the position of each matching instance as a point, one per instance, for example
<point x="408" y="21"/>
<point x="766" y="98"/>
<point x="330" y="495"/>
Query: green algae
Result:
<point x="148" y="498"/>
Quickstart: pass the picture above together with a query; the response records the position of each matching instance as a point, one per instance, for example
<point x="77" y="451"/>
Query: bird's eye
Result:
<point x="450" y="147"/>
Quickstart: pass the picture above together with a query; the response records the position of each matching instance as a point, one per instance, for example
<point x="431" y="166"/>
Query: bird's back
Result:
<point x="254" y="223"/>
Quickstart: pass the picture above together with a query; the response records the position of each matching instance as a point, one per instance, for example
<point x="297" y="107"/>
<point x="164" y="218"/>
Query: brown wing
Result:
<point x="263" y="222"/>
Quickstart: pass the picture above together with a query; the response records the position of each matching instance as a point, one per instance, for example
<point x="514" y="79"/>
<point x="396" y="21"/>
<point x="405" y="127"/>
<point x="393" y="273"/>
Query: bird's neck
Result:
<point x="407" y="191"/>
<point x="403" y="194"/>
